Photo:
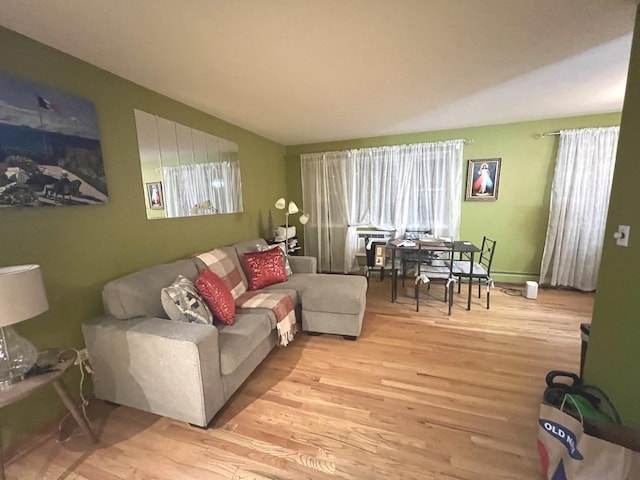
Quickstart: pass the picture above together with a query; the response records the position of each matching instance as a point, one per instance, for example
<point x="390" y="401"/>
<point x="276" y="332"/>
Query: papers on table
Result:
<point x="403" y="242"/>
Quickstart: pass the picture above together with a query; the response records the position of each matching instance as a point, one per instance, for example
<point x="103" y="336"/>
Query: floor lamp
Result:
<point x="292" y="209"/>
<point x="22" y="296"/>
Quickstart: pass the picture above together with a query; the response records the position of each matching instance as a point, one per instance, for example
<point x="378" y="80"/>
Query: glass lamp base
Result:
<point x="11" y="381"/>
<point x="17" y="357"/>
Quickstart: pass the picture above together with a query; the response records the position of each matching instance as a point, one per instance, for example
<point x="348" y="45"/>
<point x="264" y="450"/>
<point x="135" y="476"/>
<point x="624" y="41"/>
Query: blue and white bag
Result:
<point x="567" y="452"/>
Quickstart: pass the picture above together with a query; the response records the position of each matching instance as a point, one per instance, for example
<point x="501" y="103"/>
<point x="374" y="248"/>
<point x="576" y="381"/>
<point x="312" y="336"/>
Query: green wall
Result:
<point x="613" y="359"/>
<point x="518" y="218"/>
<point x="81" y="248"/>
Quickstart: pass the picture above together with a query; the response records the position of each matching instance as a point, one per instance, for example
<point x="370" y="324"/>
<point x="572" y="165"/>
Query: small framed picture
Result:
<point x="483" y="179"/>
<point x="381" y="256"/>
<point x="154" y="195"/>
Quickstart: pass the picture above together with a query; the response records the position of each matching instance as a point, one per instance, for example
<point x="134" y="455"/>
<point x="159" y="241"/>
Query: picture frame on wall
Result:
<point x="50" y="150"/>
<point x="483" y="179"/>
<point x="154" y="196"/>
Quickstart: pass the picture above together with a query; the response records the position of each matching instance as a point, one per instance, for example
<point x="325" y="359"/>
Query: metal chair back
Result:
<point x="486" y="256"/>
<point x="441" y="267"/>
<point x="481" y="275"/>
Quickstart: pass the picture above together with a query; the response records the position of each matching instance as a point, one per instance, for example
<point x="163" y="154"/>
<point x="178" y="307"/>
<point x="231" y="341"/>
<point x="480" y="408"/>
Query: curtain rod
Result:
<point x="545" y="134"/>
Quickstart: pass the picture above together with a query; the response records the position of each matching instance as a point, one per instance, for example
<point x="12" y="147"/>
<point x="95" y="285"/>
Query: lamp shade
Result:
<point x="304" y="218"/>
<point x="280" y="203"/>
<point x="293" y="208"/>
<point x="22" y="294"/>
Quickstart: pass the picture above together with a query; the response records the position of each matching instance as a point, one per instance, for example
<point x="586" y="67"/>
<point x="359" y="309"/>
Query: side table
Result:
<point x="60" y="360"/>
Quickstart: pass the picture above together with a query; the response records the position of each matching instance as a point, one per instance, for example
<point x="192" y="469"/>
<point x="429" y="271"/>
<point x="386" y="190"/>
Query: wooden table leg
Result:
<point x="82" y="422"/>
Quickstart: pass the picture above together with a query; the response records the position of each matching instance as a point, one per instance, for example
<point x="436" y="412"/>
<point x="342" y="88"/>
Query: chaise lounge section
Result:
<point x="333" y="304"/>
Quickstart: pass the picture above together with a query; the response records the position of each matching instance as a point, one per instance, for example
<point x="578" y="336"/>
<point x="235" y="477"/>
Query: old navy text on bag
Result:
<point x="566" y="436"/>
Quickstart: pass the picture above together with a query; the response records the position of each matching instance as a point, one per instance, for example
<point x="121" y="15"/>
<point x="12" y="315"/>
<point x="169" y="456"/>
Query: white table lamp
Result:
<point x="22" y="296"/>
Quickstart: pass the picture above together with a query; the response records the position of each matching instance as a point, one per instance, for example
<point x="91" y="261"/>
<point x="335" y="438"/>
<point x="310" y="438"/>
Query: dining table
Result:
<point x="434" y="246"/>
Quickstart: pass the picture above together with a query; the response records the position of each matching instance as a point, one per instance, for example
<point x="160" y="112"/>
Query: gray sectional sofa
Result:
<point x="188" y="371"/>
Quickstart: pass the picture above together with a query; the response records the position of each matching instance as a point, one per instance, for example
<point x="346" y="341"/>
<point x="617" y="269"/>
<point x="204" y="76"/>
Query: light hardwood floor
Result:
<point x="417" y="396"/>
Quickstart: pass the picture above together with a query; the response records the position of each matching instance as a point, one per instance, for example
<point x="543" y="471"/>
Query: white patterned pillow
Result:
<point x="182" y="302"/>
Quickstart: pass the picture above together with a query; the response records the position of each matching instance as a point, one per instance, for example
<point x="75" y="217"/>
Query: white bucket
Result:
<point x="531" y="290"/>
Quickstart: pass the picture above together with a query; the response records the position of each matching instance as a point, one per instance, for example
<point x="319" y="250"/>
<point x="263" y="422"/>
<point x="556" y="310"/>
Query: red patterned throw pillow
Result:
<point x="264" y="268"/>
<point x="217" y="296"/>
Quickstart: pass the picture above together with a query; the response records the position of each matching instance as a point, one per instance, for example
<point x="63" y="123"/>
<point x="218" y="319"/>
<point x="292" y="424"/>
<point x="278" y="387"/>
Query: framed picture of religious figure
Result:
<point x="483" y="179"/>
<point x="154" y="195"/>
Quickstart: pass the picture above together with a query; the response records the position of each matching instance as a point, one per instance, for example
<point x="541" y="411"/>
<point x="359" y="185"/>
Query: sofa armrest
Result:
<point x="302" y="264"/>
<point x="157" y="365"/>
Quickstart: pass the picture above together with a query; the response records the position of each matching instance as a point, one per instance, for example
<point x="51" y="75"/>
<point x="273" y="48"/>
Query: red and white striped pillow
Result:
<point x="219" y="263"/>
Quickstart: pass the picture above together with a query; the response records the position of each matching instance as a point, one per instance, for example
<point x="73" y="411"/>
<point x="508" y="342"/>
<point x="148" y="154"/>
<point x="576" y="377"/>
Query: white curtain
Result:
<point x="202" y="188"/>
<point x="579" y="205"/>
<point x="400" y="187"/>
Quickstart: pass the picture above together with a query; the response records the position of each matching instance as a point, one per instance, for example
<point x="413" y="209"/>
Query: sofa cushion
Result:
<point x="190" y="307"/>
<point x="138" y="294"/>
<point x="237" y="341"/>
<point x="217" y="296"/>
<point x="220" y="262"/>
<point x="264" y="268"/>
<point x="259" y="311"/>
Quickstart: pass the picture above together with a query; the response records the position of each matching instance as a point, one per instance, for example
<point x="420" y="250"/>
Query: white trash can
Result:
<point x="531" y="290"/>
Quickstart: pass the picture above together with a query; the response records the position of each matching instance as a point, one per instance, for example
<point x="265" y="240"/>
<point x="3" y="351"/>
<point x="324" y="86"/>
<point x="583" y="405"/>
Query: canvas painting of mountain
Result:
<point x="50" y="153"/>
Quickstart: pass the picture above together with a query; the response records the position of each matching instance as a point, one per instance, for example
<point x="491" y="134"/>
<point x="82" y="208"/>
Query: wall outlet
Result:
<point x="622" y="235"/>
<point x="82" y="357"/>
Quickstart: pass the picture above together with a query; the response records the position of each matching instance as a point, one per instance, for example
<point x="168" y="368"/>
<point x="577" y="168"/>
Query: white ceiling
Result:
<point x="301" y="71"/>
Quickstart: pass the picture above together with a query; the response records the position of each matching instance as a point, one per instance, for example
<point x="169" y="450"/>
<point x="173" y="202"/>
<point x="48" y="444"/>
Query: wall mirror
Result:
<point x="186" y="172"/>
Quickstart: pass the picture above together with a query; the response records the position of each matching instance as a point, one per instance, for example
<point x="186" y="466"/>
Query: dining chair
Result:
<point x="414" y="256"/>
<point x="481" y="268"/>
<point x="439" y="266"/>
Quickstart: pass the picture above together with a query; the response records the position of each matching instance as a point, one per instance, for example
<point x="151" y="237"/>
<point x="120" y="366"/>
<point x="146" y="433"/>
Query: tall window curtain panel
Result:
<point x="401" y="187"/>
<point x="579" y="204"/>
